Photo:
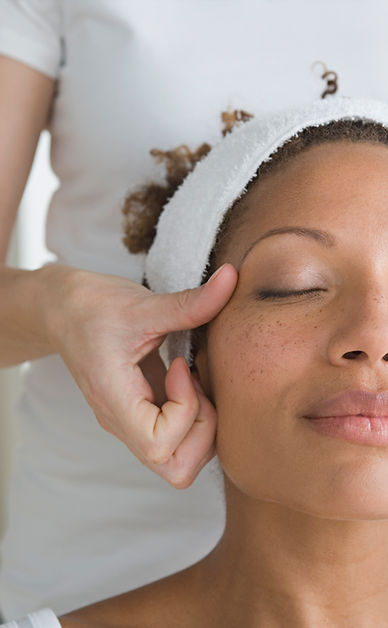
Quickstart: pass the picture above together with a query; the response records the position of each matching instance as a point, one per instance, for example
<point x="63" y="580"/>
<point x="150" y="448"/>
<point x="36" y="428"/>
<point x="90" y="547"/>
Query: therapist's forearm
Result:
<point x="26" y="297"/>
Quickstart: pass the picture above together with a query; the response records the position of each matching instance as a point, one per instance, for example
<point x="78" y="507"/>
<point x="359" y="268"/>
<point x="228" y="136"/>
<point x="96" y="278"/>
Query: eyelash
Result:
<point x="267" y="294"/>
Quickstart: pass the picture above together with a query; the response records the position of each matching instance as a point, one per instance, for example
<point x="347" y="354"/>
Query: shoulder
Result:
<point x="168" y="601"/>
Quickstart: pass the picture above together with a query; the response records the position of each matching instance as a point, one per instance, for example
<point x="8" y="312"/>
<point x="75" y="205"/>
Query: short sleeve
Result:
<point x="31" y="32"/>
<point x="45" y="618"/>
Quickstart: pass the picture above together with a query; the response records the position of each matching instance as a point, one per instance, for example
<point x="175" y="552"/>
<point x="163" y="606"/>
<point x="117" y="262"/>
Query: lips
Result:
<point x="351" y="403"/>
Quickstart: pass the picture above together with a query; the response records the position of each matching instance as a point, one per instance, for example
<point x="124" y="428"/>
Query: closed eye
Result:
<point x="268" y="294"/>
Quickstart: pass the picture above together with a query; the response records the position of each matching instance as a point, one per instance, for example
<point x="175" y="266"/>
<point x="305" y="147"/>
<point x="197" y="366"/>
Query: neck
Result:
<point x="275" y="566"/>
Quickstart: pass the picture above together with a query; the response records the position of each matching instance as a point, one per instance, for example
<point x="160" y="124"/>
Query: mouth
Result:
<point x="357" y="428"/>
<point x="359" y="416"/>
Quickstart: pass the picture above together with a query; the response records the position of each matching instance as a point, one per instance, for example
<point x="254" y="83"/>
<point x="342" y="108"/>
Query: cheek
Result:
<point x="258" y="351"/>
<point x="257" y="365"/>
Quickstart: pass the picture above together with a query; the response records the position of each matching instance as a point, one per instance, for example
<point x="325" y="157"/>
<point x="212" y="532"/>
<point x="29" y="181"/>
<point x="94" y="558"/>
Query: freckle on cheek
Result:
<point x="251" y="375"/>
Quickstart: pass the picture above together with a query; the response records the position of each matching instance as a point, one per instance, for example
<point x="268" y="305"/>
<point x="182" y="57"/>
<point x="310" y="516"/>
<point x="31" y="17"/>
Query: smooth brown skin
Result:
<point x="107" y="329"/>
<point x="306" y="540"/>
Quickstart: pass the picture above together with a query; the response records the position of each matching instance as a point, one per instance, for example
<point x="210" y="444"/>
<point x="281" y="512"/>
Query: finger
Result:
<point x="167" y="427"/>
<point x="195" y="450"/>
<point x="137" y="425"/>
<point x="194" y="307"/>
<point x="153" y="433"/>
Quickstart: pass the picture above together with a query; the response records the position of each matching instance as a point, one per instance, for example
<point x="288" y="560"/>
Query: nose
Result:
<point x="361" y="329"/>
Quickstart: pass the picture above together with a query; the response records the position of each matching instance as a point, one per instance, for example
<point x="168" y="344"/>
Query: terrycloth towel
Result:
<point x="45" y="618"/>
<point x="190" y="220"/>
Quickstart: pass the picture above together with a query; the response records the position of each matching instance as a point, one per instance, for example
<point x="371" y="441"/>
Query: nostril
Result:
<point x="351" y="355"/>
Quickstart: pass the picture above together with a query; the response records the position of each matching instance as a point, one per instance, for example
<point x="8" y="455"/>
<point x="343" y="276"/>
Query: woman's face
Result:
<point x="267" y="360"/>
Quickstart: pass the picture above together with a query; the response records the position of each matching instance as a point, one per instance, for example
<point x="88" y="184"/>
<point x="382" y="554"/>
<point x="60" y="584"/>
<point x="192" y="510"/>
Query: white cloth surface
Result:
<point x="216" y="182"/>
<point x="44" y="618"/>
<point x="86" y="519"/>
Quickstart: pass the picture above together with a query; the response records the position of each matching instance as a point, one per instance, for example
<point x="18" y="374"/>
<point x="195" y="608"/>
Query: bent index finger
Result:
<point x="155" y="432"/>
<point x="195" y="450"/>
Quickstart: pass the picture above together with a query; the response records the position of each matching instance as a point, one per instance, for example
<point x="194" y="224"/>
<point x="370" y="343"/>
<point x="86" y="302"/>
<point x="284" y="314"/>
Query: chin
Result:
<point x="350" y="511"/>
<point x="341" y="495"/>
<point x="348" y="498"/>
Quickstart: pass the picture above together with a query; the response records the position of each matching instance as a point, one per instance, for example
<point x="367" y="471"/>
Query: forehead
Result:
<point x="340" y="186"/>
<point x="333" y="169"/>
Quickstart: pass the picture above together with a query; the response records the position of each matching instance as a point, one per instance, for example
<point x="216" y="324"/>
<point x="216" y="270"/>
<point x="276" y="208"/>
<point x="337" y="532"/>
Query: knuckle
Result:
<point x="183" y="300"/>
<point x="181" y="480"/>
<point x="188" y="410"/>
<point x="194" y="407"/>
<point x="156" y="454"/>
<point x="182" y="475"/>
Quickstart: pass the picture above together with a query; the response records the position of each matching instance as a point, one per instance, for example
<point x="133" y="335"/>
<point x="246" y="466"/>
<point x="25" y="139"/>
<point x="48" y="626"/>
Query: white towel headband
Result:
<point x="190" y="220"/>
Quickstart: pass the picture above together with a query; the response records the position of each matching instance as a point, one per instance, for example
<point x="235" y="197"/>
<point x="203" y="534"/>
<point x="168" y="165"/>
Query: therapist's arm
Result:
<point x="25" y="102"/>
<point x="106" y="329"/>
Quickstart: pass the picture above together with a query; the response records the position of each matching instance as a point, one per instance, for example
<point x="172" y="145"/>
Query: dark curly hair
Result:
<point x="144" y="205"/>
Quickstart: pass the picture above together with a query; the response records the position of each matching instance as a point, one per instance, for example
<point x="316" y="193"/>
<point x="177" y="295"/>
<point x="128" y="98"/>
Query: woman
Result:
<point x="109" y="80"/>
<point x="304" y="337"/>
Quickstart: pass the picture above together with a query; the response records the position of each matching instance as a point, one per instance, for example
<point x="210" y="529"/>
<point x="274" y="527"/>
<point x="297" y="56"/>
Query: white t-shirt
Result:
<point x="44" y="618"/>
<point x="86" y="519"/>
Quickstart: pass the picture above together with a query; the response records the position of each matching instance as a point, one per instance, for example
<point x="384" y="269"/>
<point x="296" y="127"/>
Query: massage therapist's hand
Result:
<point x="103" y="327"/>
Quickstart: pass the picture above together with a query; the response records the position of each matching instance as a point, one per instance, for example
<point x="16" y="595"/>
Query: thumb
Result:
<point x="196" y="306"/>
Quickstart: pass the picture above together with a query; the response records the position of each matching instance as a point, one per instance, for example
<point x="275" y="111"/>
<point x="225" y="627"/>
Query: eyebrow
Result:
<point x="323" y="237"/>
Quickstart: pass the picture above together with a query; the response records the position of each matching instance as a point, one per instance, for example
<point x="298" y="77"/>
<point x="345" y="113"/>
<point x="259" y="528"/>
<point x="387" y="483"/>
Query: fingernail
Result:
<point x="214" y="275"/>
